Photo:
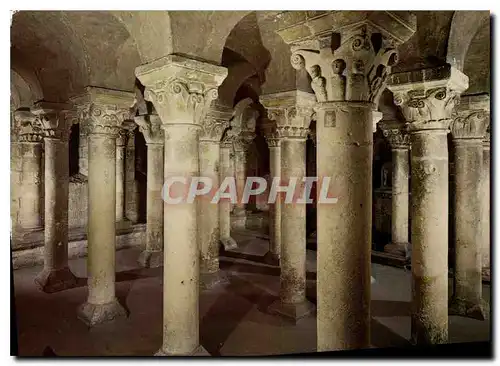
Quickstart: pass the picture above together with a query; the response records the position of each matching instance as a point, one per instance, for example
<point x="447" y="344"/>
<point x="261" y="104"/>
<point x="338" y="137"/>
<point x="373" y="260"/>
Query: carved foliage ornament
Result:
<point x="397" y="138"/>
<point x="103" y="119"/>
<point x="429" y="105"/>
<point x="180" y="101"/>
<point x="470" y="125"/>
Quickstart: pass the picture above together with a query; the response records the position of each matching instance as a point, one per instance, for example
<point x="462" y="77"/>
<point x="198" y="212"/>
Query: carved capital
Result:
<point x="396" y="134"/>
<point x="428" y="97"/>
<point x="53" y="118"/>
<point x="215" y="123"/>
<point x="104" y="110"/>
<point x="292" y="112"/>
<point x="28" y="126"/>
<point x="472" y="117"/>
<point x="348" y="55"/>
<point x="151" y="127"/>
<point x="181" y="89"/>
<point x="270" y="132"/>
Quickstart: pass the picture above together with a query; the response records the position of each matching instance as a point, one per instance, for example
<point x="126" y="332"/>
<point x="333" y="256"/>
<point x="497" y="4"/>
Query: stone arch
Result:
<point x="464" y="26"/>
<point x="59" y="50"/>
<point x="477" y="61"/>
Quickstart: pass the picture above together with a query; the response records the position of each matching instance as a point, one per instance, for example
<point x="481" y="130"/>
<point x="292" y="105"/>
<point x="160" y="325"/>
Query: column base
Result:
<point x="398" y="249"/>
<point x="55" y="280"/>
<point x="151" y="259"/>
<point x="292" y="311"/>
<point x="93" y="314"/>
<point x="198" y="351"/>
<point x="272" y="259"/>
<point x="228" y="243"/>
<point x="467" y="309"/>
<point x="209" y="281"/>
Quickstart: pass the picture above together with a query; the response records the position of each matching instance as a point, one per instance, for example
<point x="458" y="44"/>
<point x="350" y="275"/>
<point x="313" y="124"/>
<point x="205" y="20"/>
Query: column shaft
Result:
<point x="226" y="170"/>
<point x="275" y="208"/>
<point x="293" y="226"/>
<point x="152" y="256"/>
<point x="209" y="213"/>
<point x="240" y="165"/>
<point x="181" y="252"/>
<point x="485" y="210"/>
<point x="30" y="207"/>
<point x="131" y="204"/>
<point x="120" y="180"/>
<point x="467" y="292"/>
<point x="101" y="304"/>
<point x="56" y="275"/>
<point x="429" y="233"/>
<point x="344" y="136"/>
<point x="400" y="199"/>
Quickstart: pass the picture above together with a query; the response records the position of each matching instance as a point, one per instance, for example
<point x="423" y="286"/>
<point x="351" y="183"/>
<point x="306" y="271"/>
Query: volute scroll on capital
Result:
<point x="181" y="89"/>
<point x="396" y="135"/>
<point x="215" y="123"/>
<point x="292" y="112"/>
<point x="428" y="97"/>
<point x="471" y="119"/>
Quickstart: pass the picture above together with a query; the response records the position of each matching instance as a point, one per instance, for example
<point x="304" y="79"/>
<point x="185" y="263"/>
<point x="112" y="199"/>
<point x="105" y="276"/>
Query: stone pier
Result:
<point x="292" y="112"/>
<point x="151" y="128"/>
<point x="181" y="91"/>
<point x="213" y="127"/>
<point x="56" y="275"/>
<point x="468" y="130"/>
<point x="399" y="141"/>
<point x="347" y="82"/>
<point x="226" y="170"/>
<point x="485" y="207"/>
<point x="427" y="98"/>
<point x="273" y="142"/>
<point x="104" y="110"/>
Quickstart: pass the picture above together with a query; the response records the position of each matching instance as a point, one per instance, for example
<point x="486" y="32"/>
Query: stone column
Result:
<point x="83" y="150"/>
<point x="131" y="204"/>
<point x="399" y="141"/>
<point x="56" y="275"/>
<point x="241" y="145"/>
<point x="104" y="110"/>
<point x="485" y="204"/>
<point x="150" y="126"/>
<point x="181" y="91"/>
<point x="347" y="82"/>
<point x="226" y="170"/>
<point x="468" y="130"/>
<point x="30" y="141"/>
<point x="120" y="177"/>
<point x="292" y="112"/>
<point x="215" y="123"/>
<point x="273" y="142"/>
<point x="427" y="98"/>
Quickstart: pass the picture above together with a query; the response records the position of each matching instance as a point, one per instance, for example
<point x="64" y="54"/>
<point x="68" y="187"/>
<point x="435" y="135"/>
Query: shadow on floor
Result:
<point x="221" y="320"/>
<point x="231" y="266"/>
<point x="381" y="336"/>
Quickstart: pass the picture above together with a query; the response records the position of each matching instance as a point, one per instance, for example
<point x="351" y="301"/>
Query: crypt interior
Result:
<point x="393" y="106"/>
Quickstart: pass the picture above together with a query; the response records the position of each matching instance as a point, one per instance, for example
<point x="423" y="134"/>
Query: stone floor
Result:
<point x="233" y="319"/>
